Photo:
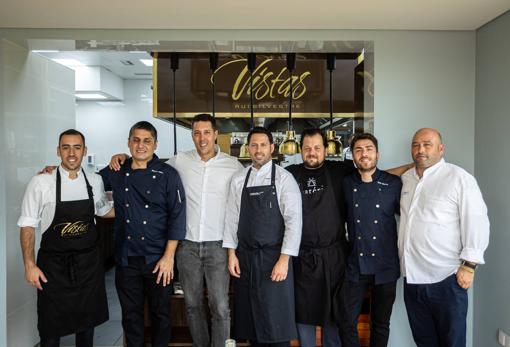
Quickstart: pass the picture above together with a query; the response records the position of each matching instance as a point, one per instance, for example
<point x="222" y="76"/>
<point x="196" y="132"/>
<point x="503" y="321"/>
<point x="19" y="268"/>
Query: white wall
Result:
<point x="106" y="125"/>
<point x="38" y="104"/>
<point x="492" y="306"/>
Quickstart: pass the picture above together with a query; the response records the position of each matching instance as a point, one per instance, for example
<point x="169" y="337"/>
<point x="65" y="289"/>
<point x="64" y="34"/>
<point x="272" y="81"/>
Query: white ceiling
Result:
<point x="244" y="14"/>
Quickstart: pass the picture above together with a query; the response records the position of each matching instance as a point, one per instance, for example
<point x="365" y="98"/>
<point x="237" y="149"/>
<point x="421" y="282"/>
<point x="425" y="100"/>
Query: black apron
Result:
<point x="320" y="266"/>
<point x="74" y="299"/>
<point x="263" y="309"/>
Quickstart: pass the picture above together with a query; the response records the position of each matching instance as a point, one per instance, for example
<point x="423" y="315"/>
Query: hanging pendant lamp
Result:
<point x="290" y="146"/>
<point x="334" y="148"/>
<point x="174" y="65"/>
<point x="213" y="65"/>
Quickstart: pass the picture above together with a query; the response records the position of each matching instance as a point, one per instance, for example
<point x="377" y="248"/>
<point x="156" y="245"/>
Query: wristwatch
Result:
<point x="469" y="264"/>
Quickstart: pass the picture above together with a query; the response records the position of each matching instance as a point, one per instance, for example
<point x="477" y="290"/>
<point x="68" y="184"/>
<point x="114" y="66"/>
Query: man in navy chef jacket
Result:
<point x="372" y="200"/>
<point x="150" y="219"/>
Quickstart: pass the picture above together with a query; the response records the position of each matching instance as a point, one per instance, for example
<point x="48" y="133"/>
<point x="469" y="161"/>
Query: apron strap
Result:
<point x="89" y="187"/>
<point x="247" y="177"/>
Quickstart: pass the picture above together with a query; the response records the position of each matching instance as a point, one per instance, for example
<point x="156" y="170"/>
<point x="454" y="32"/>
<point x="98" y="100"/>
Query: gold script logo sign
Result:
<point x="266" y="83"/>
<point x="72" y="229"/>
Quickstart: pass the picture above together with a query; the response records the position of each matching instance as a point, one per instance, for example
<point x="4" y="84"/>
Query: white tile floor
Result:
<point x="108" y="334"/>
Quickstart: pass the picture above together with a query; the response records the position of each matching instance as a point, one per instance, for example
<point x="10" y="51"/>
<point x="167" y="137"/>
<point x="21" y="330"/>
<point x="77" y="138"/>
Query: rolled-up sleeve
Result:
<point x="176" y="204"/>
<point x="474" y="222"/>
<point x="103" y="205"/>
<point x="291" y="209"/>
<point x="31" y="207"/>
<point x="232" y="215"/>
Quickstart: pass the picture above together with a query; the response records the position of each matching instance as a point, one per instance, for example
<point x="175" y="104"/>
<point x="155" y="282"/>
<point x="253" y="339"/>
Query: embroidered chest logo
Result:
<point x="72" y="229"/>
<point x="311" y="187"/>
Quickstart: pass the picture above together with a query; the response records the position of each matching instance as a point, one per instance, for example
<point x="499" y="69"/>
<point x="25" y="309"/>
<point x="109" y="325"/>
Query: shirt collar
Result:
<point x="430" y="170"/>
<point x="217" y="151"/>
<point x="152" y="162"/>
<point x="375" y="175"/>
<point x="266" y="167"/>
<point x="65" y="173"/>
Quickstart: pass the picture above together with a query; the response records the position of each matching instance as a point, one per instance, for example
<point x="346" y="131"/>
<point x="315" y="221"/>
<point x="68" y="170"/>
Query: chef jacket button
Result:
<point x="375" y="221"/>
<point x="377" y="206"/>
<point x="361" y="254"/>
<point x="355" y="205"/>
<point x="359" y="237"/>
<point x="154" y="176"/>
<point x="373" y="254"/>
<point x="129" y="237"/>
<point x="146" y="206"/>
<point x="375" y="237"/>
<point x="379" y="189"/>
<point x="357" y="220"/>
<point x="127" y="189"/>
<point x="142" y="238"/>
<point x="127" y="173"/>
<point x="127" y="205"/>
<point x="127" y="220"/>
<point x="144" y="222"/>
<point x="148" y="192"/>
<point x="355" y="190"/>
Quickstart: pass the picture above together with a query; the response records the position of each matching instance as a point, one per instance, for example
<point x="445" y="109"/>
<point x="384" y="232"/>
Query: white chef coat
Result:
<point x="206" y="184"/>
<point x="443" y="220"/>
<point x="289" y="201"/>
<point x="40" y="197"/>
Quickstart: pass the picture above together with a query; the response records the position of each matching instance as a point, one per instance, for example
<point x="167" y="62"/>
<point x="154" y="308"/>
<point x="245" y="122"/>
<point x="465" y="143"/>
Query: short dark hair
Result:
<point x="312" y="132"/>
<point x="364" y="136"/>
<point x="71" y="132"/>
<point x="144" y="125"/>
<point x="204" y="117"/>
<point x="260" y="130"/>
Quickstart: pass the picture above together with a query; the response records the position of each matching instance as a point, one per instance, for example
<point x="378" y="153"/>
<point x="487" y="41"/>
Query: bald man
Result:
<point x="444" y="231"/>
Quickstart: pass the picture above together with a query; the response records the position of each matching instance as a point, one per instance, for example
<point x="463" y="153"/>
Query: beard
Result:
<point x="313" y="164"/>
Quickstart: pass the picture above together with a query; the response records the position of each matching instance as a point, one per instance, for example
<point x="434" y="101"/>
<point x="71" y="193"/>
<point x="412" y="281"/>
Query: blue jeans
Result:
<point x="437" y="313"/>
<point x="197" y="261"/>
<point x="330" y="335"/>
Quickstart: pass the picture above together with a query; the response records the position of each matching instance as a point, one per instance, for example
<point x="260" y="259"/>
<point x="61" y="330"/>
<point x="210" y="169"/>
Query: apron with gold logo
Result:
<point x="74" y="298"/>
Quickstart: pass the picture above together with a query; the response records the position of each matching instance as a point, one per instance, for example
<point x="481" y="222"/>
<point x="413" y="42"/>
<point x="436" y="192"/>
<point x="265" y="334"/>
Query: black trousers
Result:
<point x="83" y="339"/>
<point x="134" y="283"/>
<point x="383" y="297"/>
<point x="437" y="313"/>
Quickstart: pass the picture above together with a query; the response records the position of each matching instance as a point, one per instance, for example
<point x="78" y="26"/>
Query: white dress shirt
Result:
<point x="40" y="197"/>
<point x="289" y="201"/>
<point x="443" y="220"/>
<point x="206" y="184"/>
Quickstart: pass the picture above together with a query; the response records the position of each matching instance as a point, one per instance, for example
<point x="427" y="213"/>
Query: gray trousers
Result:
<point x="197" y="261"/>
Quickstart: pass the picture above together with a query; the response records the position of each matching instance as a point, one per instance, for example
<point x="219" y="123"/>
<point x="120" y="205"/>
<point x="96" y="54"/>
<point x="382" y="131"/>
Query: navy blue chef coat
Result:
<point x="149" y="209"/>
<point x="371" y="226"/>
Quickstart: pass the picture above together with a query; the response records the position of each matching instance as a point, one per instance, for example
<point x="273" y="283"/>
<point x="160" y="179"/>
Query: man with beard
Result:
<point x="69" y="275"/>
<point x="262" y="231"/>
<point x="320" y="267"/>
<point x="444" y="231"/>
<point x="372" y="199"/>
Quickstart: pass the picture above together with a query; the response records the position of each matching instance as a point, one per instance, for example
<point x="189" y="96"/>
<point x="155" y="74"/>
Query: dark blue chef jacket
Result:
<point x="371" y="226"/>
<point x="150" y="209"/>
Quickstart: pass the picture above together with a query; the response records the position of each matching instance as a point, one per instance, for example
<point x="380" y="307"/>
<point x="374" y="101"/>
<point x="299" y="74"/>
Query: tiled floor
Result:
<point x="108" y="334"/>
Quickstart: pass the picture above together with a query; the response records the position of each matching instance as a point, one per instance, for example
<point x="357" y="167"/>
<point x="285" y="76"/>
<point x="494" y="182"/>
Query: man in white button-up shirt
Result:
<point x="444" y="231"/>
<point x="205" y="173"/>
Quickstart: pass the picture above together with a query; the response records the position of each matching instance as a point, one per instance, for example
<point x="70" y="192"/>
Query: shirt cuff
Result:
<point x="103" y="208"/>
<point x="291" y="252"/>
<point x="227" y="244"/>
<point x="25" y="221"/>
<point x="472" y="255"/>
